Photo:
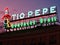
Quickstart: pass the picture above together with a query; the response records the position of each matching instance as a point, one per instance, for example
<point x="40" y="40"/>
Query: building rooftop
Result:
<point x="37" y="30"/>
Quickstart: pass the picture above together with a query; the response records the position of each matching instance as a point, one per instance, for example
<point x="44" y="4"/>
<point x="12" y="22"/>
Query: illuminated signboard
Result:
<point x="40" y="17"/>
<point x="37" y="12"/>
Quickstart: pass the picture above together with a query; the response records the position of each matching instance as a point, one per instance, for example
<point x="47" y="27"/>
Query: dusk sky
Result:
<point x="18" y="6"/>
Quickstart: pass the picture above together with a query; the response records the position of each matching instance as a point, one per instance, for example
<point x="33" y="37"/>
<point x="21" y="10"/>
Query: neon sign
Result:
<point x="35" y="13"/>
<point x="20" y="21"/>
<point x="33" y="22"/>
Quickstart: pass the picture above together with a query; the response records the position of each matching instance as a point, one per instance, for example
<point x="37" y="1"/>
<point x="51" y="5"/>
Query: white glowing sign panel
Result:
<point x="37" y="12"/>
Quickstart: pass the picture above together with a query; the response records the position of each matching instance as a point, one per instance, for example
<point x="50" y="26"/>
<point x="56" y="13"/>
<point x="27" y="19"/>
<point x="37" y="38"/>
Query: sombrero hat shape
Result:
<point x="7" y="16"/>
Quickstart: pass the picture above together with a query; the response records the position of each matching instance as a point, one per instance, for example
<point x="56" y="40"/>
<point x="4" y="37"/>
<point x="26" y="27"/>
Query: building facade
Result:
<point x="49" y="35"/>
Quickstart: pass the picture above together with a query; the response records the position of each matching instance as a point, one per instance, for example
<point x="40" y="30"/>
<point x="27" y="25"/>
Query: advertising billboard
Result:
<point x="39" y="17"/>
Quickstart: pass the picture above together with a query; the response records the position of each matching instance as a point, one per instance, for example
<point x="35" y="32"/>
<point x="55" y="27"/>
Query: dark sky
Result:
<point x="18" y="6"/>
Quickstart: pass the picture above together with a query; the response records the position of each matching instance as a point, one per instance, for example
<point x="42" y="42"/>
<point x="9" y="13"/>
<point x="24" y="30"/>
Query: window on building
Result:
<point x="24" y="42"/>
<point x="32" y="42"/>
<point x="41" y="43"/>
<point x="52" y="40"/>
<point x="1" y="43"/>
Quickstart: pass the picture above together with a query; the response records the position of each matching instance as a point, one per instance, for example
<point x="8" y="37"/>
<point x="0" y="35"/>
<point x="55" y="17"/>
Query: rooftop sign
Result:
<point x="37" y="12"/>
<point x="39" y="17"/>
